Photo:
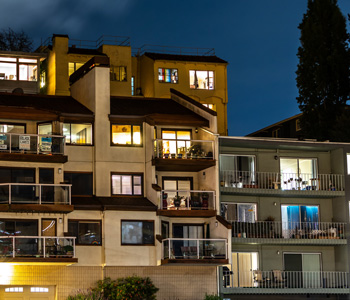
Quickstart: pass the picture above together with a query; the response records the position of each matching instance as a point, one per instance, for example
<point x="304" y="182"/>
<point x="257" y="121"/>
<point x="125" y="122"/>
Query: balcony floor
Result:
<point x="50" y="208"/>
<point x="204" y="213"/>
<point x="285" y="291"/>
<point x="186" y="261"/>
<point x="182" y="165"/>
<point x="65" y="261"/>
<point x="282" y="241"/>
<point x="43" y="158"/>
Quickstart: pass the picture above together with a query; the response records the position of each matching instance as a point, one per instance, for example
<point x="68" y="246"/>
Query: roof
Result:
<point x="113" y="203"/>
<point x="55" y="104"/>
<point x="177" y="57"/>
<point x="94" y="52"/>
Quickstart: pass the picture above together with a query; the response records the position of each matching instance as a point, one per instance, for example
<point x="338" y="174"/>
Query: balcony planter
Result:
<point x="177" y="201"/>
<point x="166" y="155"/>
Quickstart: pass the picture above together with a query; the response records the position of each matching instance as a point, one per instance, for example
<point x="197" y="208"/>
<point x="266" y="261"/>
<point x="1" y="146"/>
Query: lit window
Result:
<point x="137" y="232"/>
<point x="39" y="290"/>
<point x="126" y="135"/>
<point x="73" y="66"/>
<point x="176" y="141"/>
<point x="12" y="128"/>
<point x="14" y="290"/>
<point x="167" y="75"/>
<point x="202" y="80"/>
<point x="86" y="232"/>
<point x="45" y="128"/>
<point x="78" y="134"/>
<point x="210" y="106"/>
<point x="118" y="73"/>
<point x="127" y="184"/>
<point x="27" y="68"/>
<point x="132" y="85"/>
<point x="28" y="72"/>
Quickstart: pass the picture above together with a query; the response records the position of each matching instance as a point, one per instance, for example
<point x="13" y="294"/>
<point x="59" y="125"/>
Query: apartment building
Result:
<point x="288" y="205"/>
<point x="95" y="185"/>
<point x="143" y="72"/>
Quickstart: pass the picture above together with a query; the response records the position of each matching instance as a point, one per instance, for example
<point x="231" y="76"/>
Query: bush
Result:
<point x="87" y="295"/>
<point x="212" y="297"/>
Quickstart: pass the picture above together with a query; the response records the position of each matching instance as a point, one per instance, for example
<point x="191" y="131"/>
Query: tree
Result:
<point x="15" y="41"/>
<point x="323" y="74"/>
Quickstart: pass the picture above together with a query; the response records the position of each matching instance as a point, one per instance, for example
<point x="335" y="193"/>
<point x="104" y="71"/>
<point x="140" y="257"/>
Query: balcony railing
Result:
<point x="282" y="181"/>
<point x="37" y="246"/>
<point x="31" y="143"/>
<point x="277" y="279"/>
<point x="289" y="230"/>
<point x="187" y="200"/>
<point x="181" y="248"/>
<point x="32" y="193"/>
<point x="183" y="149"/>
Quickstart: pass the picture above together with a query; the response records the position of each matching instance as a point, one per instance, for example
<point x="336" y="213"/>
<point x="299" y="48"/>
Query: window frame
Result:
<point x="17" y="62"/>
<point x="207" y="81"/>
<point x="70" y="128"/>
<point x="143" y="221"/>
<point x="171" y="81"/>
<point x="132" y="184"/>
<point x="132" y="138"/>
<point x="86" y="221"/>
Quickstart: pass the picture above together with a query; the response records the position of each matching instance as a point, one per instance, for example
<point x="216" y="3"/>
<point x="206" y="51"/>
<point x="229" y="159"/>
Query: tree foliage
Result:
<point x="323" y="74"/>
<point x="11" y="40"/>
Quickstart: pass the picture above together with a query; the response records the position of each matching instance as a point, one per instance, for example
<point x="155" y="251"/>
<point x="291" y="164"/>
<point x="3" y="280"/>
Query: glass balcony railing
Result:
<point x="32" y="193"/>
<point x="183" y="149"/>
<point x="187" y="200"/>
<point x="37" y="246"/>
<point x="181" y="248"/>
<point x="31" y="143"/>
<point x="281" y="181"/>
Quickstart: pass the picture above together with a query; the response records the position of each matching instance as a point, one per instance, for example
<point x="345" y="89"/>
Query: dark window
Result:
<point x="82" y="184"/>
<point x="127" y="184"/>
<point x="86" y="232"/>
<point x="165" y="230"/>
<point x="137" y="232"/>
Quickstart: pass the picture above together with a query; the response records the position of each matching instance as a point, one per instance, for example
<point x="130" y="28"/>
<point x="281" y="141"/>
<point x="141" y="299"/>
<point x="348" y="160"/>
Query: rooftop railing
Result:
<point x="183" y="149"/>
<point x="174" y="50"/>
<point x="289" y="230"/>
<point x="33" y="193"/>
<point x="281" y="181"/>
<point x="37" y="246"/>
<point x="31" y="143"/>
<point x="187" y="200"/>
<point x="182" y="248"/>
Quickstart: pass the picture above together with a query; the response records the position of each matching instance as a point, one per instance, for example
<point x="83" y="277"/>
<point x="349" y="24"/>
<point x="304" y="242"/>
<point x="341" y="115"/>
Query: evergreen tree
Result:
<point x="323" y="74"/>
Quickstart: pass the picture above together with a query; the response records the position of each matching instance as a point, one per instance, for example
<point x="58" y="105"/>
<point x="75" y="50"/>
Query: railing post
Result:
<point x="73" y="248"/>
<point x="169" y="248"/>
<point x="157" y="145"/>
<point x="39" y="193"/>
<point x="69" y="194"/>
<point x="44" y="247"/>
<point x="10" y="194"/>
<point x="13" y="247"/>
<point x="37" y="144"/>
<point x="197" y="249"/>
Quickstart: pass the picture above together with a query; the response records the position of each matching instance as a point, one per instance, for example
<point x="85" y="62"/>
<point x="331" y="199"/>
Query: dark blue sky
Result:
<point x="259" y="39"/>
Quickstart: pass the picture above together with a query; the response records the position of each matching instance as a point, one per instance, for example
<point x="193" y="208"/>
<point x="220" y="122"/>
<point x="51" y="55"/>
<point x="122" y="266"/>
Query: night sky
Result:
<point x="259" y="39"/>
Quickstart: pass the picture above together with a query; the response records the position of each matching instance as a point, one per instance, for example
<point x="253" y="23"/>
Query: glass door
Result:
<point x="243" y="266"/>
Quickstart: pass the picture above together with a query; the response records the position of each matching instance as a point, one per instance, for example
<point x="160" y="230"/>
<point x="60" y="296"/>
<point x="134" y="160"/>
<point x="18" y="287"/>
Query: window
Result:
<point x="176" y="142"/>
<point x="210" y="106"/>
<point x="73" y="66"/>
<point x="201" y="80"/>
<point x="14" y="290"/>
<point x="86" y="232"/>
<point x="82" y="184"/>
<point x="299" y="174"/>
<point x="137" y="233"/>
<point x="239" y="212"/>
<point x="118" y="73"/>
<point x="133" y="86"/>
<point x="129" y="184"/>
<point x="165" y="229"/>
<point x="167" y="75"/>
<point x="45" y="128"/>
<point x="12" y="128"/>
<point x="78" y="134"/>
<point x="39" y="290"/>
<point x="129" y="135"/>
<point x="12" y="68"/>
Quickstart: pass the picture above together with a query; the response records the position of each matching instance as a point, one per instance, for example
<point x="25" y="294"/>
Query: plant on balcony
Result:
<point x="68" y="249"/>
<point x="212" y="297"/>
<point x="194" y="151"/>
<point x="177" y="200"/>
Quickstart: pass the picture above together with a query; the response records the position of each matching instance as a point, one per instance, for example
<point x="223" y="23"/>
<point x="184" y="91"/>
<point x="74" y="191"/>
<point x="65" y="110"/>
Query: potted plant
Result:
<point x="194" y="151"/>
<point x="177" y="201"/>
<point x="68" y="250"/>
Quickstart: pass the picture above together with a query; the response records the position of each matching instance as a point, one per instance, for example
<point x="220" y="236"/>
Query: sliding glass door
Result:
<point x="243" y="265"/>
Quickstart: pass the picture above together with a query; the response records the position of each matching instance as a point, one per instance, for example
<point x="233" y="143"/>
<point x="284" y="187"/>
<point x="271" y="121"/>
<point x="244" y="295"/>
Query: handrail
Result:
<point x="32" y="134"/>
<point x="203" y="200"/>
<point x="174" y="50"/>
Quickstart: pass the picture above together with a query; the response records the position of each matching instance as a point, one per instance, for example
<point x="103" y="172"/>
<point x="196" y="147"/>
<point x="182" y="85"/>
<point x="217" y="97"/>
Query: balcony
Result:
<point x="32" y="147"/>
<point x="35" y="197"/>
<point x="183" y="155"/>
<point x="37" y="249"/>
<point x="291" y="233"/>
<point x="281" y="184"/>
<point x="283" y="282"/>
<point x="191" y="251"/>
<point x="182" y="203"/>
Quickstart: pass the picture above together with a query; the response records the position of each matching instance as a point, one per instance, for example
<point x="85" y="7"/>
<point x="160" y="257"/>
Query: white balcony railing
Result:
<point x="289" y="230"/>
<point x="278" y="279"/>
<point x="183" y="149"/>
<point x="181" y="248"/>
<point x="282" y="181"/>
<point x="187" y="200"/>
<point x="32" y="193"/>
<point x="31" y="143"/>
<point x="37" y="246"/>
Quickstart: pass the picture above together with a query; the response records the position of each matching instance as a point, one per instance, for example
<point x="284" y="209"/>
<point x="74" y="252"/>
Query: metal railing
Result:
<point x="37" y="246"/>
<point x="32" y="143"/>
<point x="279" y="279"/>
<point x="183" y="149"/>
<point x="181" y="248"/>
<point x="35" y="193"/>
<point x="187" y="200"/>
<point x="288" y="230"/>
<point x="176" y="50"/>
<point x="282" y="181"/>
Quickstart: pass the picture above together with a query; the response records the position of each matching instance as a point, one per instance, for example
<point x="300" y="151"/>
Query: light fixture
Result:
<point x="278" y="252"/>
<point x="276" y="157"/>
<point x="216" y="223"/>
<point x="60" y="220"/>
<point x="275" y="204"/>
<point x="59" y="170"/>
<point x="196" y="130"/>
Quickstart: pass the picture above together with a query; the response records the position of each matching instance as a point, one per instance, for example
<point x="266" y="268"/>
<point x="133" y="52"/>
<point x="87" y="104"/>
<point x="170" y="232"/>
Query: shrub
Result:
<point x="87" y="295"/>
<point x="212" y="297"/>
